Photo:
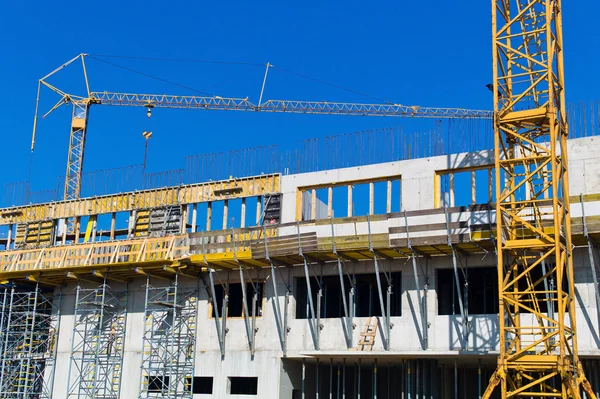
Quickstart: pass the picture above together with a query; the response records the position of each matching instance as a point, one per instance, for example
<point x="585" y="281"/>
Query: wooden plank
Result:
<point x="428" y="227"/>
<point x="433" y="240"/>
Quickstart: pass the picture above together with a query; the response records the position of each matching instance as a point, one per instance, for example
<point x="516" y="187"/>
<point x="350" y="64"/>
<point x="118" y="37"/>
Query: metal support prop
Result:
<point x="303" y="378"/>
<point x="344" y="378"/>
<point x="250" y="323"/>
<point x="330" y="378"/>
<point x="220" y="322"/>
<point x="347" y="322"/>
<point x="479" y="378"/>
<point x="463" y="301"/>
<point x="338" y="381"/>
<point x="315" y="316"/>
<point x="374" y="378"/>
<point x="409" y="380"/>
<point x="359" y="373"/>
<point x="317" y="380"/>
<point x="592" y="245"/>
<point x="385" y="310"/>
<point x="455" y="380"/>
<point x="421" y="300"/>
<point x="281" y="322"/>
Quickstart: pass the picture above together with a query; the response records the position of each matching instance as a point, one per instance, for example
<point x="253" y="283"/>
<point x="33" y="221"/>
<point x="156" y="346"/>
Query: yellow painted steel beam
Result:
<point x="184" y="194"/>
<point x="538" y="353"/>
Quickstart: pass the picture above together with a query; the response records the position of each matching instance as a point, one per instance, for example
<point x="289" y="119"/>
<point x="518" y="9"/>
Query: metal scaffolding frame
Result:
<point x="97" y="345"/>
<point x="169" y="341"/>
<point x="29" y="323"/>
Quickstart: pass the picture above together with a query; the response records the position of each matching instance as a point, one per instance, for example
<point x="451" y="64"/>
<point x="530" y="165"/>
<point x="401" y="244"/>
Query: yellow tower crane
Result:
<point x="81" y="108"/>
<point x="537" y="348"/>
<point x="538" y="342"/>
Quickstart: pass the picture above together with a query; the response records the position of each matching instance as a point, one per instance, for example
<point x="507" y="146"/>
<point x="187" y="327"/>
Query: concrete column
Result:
<point x="113" y="225"/>
<point x="371" y="198"/>
<point x="329" y="202"/>
<point x="9" y="236"/>
<point x="350" y="210"/>
<point x="208" y="216"/>
<point x="243" y="214"/>
<point x="194" y="217"/>
<point x="225" y="213"/>
<point x="258" y="209"/>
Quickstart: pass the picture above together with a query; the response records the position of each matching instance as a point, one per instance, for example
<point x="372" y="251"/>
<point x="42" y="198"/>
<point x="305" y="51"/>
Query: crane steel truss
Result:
<point x="97" y="345"/>
<point x="169" y="341"/>
<point x="538" y="345"/>
<point x="81" y="107"/>
<point x="294" y="107"/>
<point x="29" y="322"/>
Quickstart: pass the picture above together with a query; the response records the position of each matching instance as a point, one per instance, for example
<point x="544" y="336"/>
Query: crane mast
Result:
<point x="538" y="341"/>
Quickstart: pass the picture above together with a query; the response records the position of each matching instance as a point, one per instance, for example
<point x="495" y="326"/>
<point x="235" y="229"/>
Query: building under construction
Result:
<point x="447" y="264"/>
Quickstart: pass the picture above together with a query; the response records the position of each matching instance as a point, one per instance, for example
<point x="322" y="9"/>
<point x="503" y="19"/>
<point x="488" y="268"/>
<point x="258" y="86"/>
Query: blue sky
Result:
<point x="426" y="53"/>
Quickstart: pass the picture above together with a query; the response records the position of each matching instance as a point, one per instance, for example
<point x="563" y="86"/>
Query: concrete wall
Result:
<point x="273" y="378"/>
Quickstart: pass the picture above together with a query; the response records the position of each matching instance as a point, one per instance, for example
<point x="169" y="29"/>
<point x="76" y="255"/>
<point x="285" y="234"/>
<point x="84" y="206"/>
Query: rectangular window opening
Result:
<point x="103" y="224"/>
<point x="396" y="195"/>
<point x="366" y="296"/>
<point x="235" y="305"/>
<point x="234" y="213"/>
<point x="157" y="383"/>
<point x="199" y="385"/>
<point x="482" y="295"/>
<point x="243" y="386"/>
<point x="461" y="187"/>
<point x="340" y="201"/>
<point x="360" y="199"/>
<point x="251" y="204"/>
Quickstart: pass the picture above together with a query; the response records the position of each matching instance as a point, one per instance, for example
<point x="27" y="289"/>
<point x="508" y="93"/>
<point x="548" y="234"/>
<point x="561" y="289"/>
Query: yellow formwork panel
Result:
<point x="184" y="194"/>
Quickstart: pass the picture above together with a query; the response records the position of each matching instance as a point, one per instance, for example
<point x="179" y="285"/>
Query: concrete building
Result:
<point x="379" y="279"/>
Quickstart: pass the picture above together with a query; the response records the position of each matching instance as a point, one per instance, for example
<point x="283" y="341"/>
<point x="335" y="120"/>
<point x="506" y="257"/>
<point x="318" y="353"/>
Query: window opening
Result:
<point x="243" y="386"/>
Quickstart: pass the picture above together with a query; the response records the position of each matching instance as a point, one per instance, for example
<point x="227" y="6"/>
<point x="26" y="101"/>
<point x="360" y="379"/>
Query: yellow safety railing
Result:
<point x="95" y="254"/>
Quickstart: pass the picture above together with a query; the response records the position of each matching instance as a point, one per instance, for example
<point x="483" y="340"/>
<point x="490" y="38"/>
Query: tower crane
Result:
<point x="538" y="348"/>
<point x="81" y="108"/>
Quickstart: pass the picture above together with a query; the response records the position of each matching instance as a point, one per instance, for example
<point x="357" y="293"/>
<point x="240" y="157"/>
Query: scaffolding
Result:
<point x="97" y="344"/>
<point x="169" y="341"/>
<point x="29" y="322"/>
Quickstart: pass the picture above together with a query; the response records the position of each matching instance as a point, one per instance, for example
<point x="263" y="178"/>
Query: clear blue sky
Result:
<point x="427" y="53"/>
